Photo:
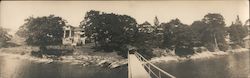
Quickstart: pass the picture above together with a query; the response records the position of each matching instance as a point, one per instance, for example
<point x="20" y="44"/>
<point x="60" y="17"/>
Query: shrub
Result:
<point x="184" y="51"/>
<point x="146" y="52"/>
<point x="51" y="52"/>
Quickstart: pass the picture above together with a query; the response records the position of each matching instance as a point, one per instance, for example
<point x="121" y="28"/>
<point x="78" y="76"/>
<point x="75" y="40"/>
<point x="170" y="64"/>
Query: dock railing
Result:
<point x="129" y="69"/>
<point x="153" y="71"/>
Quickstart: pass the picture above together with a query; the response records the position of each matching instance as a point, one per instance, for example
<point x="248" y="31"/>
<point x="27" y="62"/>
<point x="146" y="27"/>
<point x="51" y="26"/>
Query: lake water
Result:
<point x="16" y="68"/>
<point x="227" y="66"/>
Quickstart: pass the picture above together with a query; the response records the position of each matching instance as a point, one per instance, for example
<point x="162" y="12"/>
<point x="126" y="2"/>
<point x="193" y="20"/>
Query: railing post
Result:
<point x="149" y="69"/>
<point x="159" y="74"/>
<point x="129" y="75"/>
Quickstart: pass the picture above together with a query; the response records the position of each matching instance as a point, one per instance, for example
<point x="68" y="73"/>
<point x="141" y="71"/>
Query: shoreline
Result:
<point x="202" y="55"/>
<point x="111" y="61"/>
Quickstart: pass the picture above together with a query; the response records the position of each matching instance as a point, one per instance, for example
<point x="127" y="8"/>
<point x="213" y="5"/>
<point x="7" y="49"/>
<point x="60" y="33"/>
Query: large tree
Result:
<point x="46" y="30"/>
<point x="213" y="35"/>
<point x="91" y="24"/>
<point x="198" y="27"/>
<point x="156" y="21"/>
<point x="173" y="30"/>
<point x="110" y="31"/>
<point x="237" y="32"/>
<point x="179" y="37"/>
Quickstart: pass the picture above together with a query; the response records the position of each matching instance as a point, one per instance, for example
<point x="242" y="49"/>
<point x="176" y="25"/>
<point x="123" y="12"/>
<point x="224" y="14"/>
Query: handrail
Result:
<point x="129" y="69"/>
<point x="141" y="58"/>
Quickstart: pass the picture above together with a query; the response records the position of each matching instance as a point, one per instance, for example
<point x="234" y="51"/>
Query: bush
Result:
<point x="123" y="51"/>
<point x="146" y="52"/>
<point x="36" y="54"/>
<point x="223" y="47"/>
<point x="52" y="52"/>
<point x="182" y="52"/>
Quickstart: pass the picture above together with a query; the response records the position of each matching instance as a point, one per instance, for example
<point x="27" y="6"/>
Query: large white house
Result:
<point x="73" y="36"/>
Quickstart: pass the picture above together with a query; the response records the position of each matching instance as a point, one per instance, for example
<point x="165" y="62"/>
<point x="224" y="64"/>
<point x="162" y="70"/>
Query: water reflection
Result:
<point x="229" y="66"/>
<point x="238" y="67"/>
<point x="10" y="68"/>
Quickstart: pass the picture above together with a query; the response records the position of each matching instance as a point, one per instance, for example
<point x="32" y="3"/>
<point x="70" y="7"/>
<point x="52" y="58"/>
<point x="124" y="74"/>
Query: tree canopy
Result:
<point x="46" y="30"/>
<point x="173" y="31"/>
<point x="110" y="31"/>
<point x="113" y="32"/>
<point x="237" y="32"/>
<point x="214" y="33"/>
<point x="179" y="37"/>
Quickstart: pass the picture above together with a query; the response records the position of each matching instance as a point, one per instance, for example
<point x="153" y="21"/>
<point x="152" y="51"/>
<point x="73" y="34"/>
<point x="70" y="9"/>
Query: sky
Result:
<point x="13" y="13"/>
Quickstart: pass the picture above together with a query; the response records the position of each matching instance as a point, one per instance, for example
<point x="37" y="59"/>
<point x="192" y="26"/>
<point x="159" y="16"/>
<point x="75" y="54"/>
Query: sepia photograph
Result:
<point x="125" y="39"/>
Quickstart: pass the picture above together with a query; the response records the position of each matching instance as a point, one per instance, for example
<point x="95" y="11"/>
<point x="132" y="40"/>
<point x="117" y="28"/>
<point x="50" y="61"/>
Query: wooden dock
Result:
<point x="136" y="68"/>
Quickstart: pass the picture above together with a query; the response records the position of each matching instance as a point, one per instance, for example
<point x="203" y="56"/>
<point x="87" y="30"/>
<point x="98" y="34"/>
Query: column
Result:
<point x="70" y="32"/>
<point x="64" y="33"/>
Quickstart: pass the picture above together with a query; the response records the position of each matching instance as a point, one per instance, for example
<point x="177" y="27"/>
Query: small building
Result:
<point x="73" y="36"/>
<point x="146" y="27"/>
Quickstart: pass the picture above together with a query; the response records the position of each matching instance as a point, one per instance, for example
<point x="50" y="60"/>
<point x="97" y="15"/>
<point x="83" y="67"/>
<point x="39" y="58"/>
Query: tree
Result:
<point x="178" y="36"/>
<point x="237" y="32"/>
<point x="4" y="36"/>
<point x="46" y="30"/>
<point x="213" y="35"/>
<point x="91" y="24"/>
<point x="149" y="35"/>
<point x="171" y="31"/>
<point x="110" y="31"/>
<point x="198" y="27"/>
<point x="116" y="31"/>
<point x="156" y="21"/>
<point x="145" y="27"/>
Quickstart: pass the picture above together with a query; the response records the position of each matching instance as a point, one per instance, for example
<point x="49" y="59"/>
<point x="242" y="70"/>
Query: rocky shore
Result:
<point x="201" y="55"/>
<point x="87" y="57"/>
<point x="84" y="58"/>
